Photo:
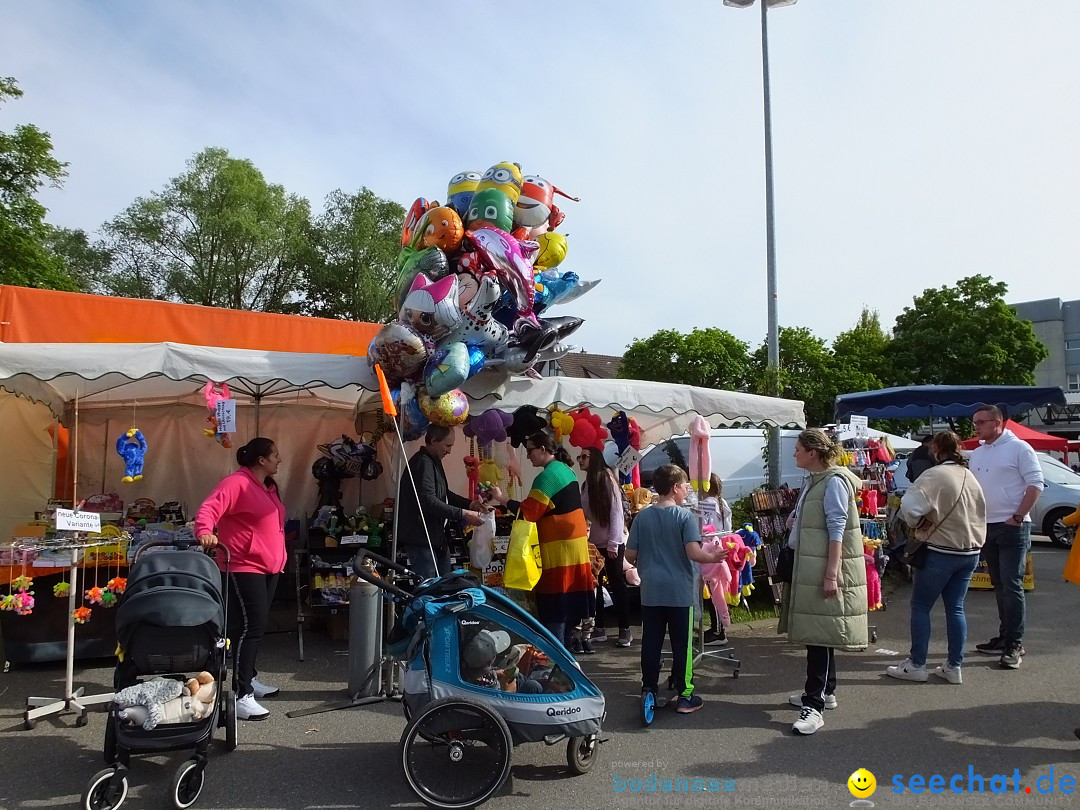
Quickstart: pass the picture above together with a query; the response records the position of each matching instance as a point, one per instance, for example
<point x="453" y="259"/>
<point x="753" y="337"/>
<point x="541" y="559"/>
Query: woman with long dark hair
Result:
<point x="245" y="514"/>
<point x="602" y="502"/>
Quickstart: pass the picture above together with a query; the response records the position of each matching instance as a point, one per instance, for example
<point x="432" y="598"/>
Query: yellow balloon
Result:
<point x="862" y="784"/>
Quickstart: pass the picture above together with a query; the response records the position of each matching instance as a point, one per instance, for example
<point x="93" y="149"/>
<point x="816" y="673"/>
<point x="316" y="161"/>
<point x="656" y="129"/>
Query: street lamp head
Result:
<point x="769" y="3"/>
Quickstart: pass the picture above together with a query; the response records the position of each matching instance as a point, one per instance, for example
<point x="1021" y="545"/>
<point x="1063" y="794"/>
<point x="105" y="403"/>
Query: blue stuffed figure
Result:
<point x="131" y="447"/>
<point x="751" y="540"/>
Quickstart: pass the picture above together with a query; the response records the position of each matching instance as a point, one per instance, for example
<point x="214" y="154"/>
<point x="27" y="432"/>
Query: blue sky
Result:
<point x="914" y="142"/>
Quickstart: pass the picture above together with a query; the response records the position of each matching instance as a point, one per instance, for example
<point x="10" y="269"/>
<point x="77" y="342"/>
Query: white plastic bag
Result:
<point x="482" y="544"/>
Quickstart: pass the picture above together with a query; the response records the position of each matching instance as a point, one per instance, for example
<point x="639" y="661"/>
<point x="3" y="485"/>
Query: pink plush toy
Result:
<point x="635" y="442"/>
<point x="718" y="577"/>
<point x="700" y="458"/>
<point x="213" y="393"/>
<point x="873" y="582"/>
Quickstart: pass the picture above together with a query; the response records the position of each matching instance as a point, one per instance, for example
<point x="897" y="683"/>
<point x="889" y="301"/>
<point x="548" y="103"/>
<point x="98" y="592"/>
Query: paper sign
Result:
<point x="71" y="521"/>
<point x="225" y="413"/>
<point x="354" y="540"/>
<point x="627" y="461"/>
<point x="860" y="424"/>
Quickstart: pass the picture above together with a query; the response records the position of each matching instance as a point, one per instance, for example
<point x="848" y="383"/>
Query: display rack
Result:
<point x="771" y="508"/>
<point x="73" y="701"/>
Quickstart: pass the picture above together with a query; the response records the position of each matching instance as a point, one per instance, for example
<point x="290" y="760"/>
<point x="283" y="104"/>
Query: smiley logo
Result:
<point x="862" y="784"/>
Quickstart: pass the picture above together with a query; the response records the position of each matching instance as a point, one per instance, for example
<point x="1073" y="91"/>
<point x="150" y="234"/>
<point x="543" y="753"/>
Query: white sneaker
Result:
<point x="810" y="720"/>
<point x="796" y="700"/>
<point x="263" y="690"/>
<point x="951" y="674"/>
<point x="907" y="671"/>
<point x="248" y="709"/>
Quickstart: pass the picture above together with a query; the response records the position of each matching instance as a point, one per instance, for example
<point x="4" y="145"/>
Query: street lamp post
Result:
<point x="773" y="339"/>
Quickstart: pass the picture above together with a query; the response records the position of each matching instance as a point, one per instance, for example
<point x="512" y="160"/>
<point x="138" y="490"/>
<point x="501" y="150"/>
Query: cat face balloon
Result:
<point x="431" y="307"/>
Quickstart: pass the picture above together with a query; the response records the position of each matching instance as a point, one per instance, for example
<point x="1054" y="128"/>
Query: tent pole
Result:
<point x="105" y="454"/>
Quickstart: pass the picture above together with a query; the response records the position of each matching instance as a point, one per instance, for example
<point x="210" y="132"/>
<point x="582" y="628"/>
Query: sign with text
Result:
<point x="225" y="413"/>
<point x="861" y="426"/>
<point x="68" y="520"/>
<point x="627" y="461"/>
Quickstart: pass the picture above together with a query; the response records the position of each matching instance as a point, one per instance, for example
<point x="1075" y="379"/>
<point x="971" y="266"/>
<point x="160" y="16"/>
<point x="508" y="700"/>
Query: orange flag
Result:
<point x="387" y="402"/>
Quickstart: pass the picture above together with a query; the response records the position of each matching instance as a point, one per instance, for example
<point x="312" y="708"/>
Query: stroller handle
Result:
<point x="183" y="544"/>
<point x="358" y="569"/>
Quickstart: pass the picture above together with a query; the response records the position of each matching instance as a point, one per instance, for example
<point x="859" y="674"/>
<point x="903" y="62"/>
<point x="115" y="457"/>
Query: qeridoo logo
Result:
<point x="553" y="712"/>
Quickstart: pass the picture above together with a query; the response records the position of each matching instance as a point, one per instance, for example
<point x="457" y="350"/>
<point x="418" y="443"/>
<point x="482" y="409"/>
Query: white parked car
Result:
<point x="1060" y="497"/>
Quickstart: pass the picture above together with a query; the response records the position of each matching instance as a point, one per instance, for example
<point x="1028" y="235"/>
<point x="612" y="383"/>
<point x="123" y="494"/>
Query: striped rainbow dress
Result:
<point x="554" y="505"/>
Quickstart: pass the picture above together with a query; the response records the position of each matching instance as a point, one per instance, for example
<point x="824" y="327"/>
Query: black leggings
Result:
<point x="249" y="609"/>
<point x="620" y="597"/>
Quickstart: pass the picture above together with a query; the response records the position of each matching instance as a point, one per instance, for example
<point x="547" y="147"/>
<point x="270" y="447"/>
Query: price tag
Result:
<point x="627" y="461"/>
<point x="225" y="413"/>
<point x="354" y="540"/>
<point x="71" y="521"/>
<point x="502" y="544"/>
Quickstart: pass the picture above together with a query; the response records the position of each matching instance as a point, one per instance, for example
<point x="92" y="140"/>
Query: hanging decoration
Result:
<point x="214" y="393"/>
<point x="131" y="447"/>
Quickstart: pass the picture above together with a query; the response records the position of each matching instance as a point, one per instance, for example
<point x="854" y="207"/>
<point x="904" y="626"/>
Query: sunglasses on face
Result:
<point x="583" y="458"/>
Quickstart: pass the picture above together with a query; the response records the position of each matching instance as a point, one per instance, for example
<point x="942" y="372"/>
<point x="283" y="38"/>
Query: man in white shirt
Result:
<point x="1011" y="478"/>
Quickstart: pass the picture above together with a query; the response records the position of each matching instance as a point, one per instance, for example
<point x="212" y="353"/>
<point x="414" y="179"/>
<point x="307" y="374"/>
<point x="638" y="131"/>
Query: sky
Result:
<point x="914" y="142"/>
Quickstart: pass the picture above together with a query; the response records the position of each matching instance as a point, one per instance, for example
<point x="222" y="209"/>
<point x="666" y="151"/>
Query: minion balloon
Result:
<point x="460" y="191"/>
<point x="506" y="177"/>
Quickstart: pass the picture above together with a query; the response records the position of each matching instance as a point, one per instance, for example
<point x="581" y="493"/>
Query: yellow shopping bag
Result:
<point x="1072" y="566"/>
<point x="522" y="557"/>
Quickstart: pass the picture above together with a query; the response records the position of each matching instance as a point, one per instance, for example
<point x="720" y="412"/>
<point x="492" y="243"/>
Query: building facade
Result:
<point x="1057" y="324"/>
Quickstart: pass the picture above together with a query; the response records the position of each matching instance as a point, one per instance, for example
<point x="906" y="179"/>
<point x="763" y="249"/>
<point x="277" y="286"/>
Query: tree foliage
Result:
<point x="27" y="165"/>
<point x="710" y="358"/>
<point x="807" y="372"/>
<point x="218" y="235"/>
<point x="349" y="272"/>
<point x="964" y="335"/>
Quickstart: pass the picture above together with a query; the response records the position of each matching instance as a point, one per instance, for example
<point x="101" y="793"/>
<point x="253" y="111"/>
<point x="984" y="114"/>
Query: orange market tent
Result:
<point x="182" y="464"/>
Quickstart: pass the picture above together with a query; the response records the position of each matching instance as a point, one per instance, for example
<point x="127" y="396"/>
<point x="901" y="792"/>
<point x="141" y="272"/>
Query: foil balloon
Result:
<point x="577" y="290"/>
<point x="478" y="328"/>
<point x="447" y="369"/>
<point x="460" y="192"/>
<point x="449" y="409"/>
<point x="551" y="252"/>
<point x="400" y="350"/>
<point x="476" y="360"/>
<point x="534" y="205"/>
<point x="441" y="227"/>
<point x="545" y="334"/>
<point x="431" y="307"/>
<point x="412" y="219"/>
<point x="413" y="421"/>
<point x="506" y="177"/>
<point x="503" y="253"/>
<point x="490" y="207"/>
<point x="432" y="262"/>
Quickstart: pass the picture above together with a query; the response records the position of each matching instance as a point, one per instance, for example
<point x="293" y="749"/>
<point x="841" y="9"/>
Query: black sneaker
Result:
<point x="1012" y="656"/>
<point x="995" y="646"/>
<point x="586" y="647"/>
<point x="714" y="639"/>
<point x="575" y="646"/>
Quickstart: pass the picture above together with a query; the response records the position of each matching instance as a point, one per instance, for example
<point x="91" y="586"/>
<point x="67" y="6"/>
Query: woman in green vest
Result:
<point x="824" y="607"/>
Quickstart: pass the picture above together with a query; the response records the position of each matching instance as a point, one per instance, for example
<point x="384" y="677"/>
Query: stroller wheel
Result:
<point x="100" y="795"/>
<point x="456" y="753"/>
<point x="187" y="784"/>
<point x="581" y="753"/>
<point x="648" y="707"/>
<point x="230" y="721"/>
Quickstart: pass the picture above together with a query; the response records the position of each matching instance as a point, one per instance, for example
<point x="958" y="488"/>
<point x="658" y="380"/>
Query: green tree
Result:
<point x="218" y="235"/>
<point x="710" y="358"/>
<point x="964" y="335"/>
<point x="861" y="357"/>
<point x="27" y="165"/>
<point x="349" y="272"/>
<point x="86" y="262"/>
<point x="807" y="372"/>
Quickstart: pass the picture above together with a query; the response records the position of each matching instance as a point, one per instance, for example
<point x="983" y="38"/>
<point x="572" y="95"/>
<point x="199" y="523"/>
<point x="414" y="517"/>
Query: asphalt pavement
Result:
<point x="739" y="746"/>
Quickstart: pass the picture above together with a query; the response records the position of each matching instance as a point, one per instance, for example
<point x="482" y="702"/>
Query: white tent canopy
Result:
<point x="899" y="443"/>
<point x="104" y="374"/>
<point x="660" y="409"/>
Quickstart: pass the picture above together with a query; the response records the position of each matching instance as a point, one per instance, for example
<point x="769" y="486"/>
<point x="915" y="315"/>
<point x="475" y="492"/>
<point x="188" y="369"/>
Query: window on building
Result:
<point x="1072" y="345"/>
<point x="1072" y="382"/>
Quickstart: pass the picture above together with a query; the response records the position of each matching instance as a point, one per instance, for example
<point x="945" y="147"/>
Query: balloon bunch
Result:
<point x="474" y="278"/>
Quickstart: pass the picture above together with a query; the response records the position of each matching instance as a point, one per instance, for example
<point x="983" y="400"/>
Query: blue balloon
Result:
<point x="476" y="360"/>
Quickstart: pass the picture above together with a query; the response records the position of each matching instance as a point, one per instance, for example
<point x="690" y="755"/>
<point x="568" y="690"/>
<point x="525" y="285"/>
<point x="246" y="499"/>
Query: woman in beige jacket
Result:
<point x="948" y="511"/>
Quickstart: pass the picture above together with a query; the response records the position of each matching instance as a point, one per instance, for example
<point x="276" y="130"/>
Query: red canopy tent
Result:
<point x="1039" y="441"/>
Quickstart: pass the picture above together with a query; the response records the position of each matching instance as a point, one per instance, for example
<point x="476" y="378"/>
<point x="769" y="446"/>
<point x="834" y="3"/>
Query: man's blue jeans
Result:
<point x="947" y="576"/>
<point x="420" y="561"/>
<point x="1006" y="553"/>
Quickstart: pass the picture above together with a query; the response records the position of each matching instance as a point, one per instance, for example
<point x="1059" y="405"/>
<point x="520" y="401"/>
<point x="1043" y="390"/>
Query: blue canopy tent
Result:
<point x="928" y="401"/>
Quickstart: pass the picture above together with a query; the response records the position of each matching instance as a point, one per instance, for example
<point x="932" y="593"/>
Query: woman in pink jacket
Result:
<point x="245" y="514"/>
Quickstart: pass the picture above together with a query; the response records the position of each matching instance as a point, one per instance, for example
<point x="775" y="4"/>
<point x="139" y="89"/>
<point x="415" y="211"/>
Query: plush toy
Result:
<point x="562" y="423"/>
<point x="213" y="393"/>
<point x="163" y="700"/>
<point x="873" y="580"/>
<point x="588" y="430"/>
<point x="472" y="473"/>
<point x="752" y="540"/>
<point x="700" y="457"/>
<point x="527" y="421"/>
<point x="131" y="447"/>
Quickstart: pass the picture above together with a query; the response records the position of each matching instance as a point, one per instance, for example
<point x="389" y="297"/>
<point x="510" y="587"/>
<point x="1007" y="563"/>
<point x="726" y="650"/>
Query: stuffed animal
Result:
<point x="131" y="447"/>
<point x="213" y="393"/>
<point x="700" y="457"/>
<point x="620" y="434"/>
<point x="163" y="700"/>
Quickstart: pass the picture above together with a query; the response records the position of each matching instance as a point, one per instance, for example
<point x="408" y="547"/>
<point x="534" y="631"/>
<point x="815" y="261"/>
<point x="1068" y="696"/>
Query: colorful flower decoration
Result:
<point x="22" y="583"/>
<point x="117" y="585"/>
<point x="24" y="603"/>
<point x="93" y="596"/>
<point x="81" y="615"/>
<point x="61" y="589"/>
<point x="108" y="599"/>
<point x="7" y="602"/>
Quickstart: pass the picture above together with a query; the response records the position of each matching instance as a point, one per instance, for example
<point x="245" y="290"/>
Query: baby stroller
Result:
<point x="170" y="620"/>
<point x="482" y="676"/>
